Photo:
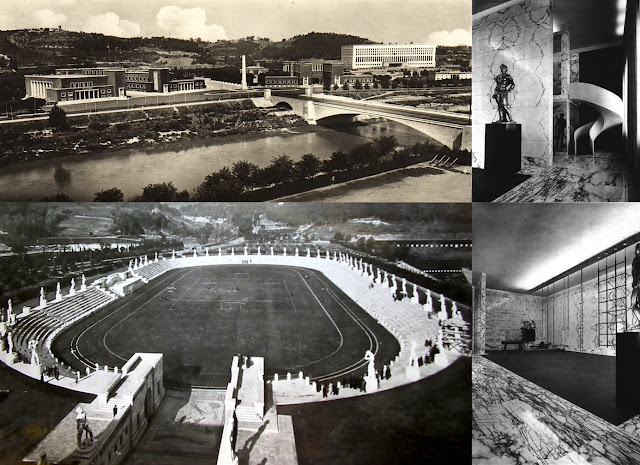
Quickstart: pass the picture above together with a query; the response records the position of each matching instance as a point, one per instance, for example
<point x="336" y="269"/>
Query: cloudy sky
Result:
<point x="443" y="22"/>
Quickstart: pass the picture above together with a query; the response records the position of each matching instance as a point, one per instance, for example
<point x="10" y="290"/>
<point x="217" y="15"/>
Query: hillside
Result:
<point x="312" y="45"/>
<point x="56" y="47"/>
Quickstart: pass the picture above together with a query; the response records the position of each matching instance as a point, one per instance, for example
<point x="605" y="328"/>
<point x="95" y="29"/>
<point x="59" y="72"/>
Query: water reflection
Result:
<point x="185" y="164"/>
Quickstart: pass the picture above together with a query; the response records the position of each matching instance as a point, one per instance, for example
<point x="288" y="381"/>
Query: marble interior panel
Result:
<point x="574" y="67"/>
<point x="520" y="37"/>
<point x="517" y="422"/>
<point x="505" y="312"/>
<point x="564" y="184"/>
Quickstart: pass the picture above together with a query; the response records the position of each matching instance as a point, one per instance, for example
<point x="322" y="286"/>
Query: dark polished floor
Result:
<point x="586" y="380"/>
<point x="488" y="187"/>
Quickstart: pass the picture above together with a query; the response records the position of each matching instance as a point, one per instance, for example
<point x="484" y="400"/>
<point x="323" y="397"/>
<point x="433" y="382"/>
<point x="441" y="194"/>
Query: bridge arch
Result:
<point x="454" y="136"/>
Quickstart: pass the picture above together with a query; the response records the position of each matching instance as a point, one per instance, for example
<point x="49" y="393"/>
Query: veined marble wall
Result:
<point x="479" y="314"/>
<point x="521" y="37"/>
<point x="506" y="311"/>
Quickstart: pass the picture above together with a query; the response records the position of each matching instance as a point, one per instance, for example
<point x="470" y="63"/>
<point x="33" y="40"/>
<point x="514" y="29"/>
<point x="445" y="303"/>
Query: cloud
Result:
<point x="48" y="18"/>
<point x="188" y="23"/>
<point x="5" y="22"/>
<point x="450" y="38"/>
<point x="111" y="24"/>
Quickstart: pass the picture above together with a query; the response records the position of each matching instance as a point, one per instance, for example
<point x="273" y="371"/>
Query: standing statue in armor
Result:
<point x="504" y="85"/>
<point x="635" y="285"/>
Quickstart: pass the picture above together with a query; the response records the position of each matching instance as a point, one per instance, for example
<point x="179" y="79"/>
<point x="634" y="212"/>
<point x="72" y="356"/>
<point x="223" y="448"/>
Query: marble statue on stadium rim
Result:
<point x="206" y="252"/>
<point x="440" y="358"/>
<point x="84" y="283"/>
<point x="284" y="252"/>
<point x="233" y="251"/>
<point x="9" y="311"/>
<point x="442" y="314"/>
<point x="173" y="254"/>
<point x="454" y="310"/>
<point x="413" y="370"/>
<point x="195" y="254"/>
<point x="246" y="251"/>
<point x="10" y="342"/>
<point x="58" y="292"/>
<point x="130" y="265"/>
<point x="308" y="252"/>
<point x="428" y="305"/>
<point x="318" y="250"/>
<point x="219" y="252"/>
<point x="35" y="358"/>
<point x="404" y="285"/>
<point x="72" y="287"/>
<point x="370" y="380"/>
<point x="271" y="250"/>
<point x="43" y="299"/>
<point x="82" y="428"/>
<point x="258" y="250"/>
<point x="414" y="297"/>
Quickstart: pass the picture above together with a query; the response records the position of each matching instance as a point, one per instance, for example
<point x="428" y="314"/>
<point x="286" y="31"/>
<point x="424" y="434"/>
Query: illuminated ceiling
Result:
<point x="591" y="23"/>
<point x="520" y="246"/>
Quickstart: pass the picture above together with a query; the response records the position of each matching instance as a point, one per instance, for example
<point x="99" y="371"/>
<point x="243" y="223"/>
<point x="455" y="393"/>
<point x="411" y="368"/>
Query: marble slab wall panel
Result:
<point x="574" y="65"/>
<point x="506" y="311"/>
<point x="516" y="422"/>
<point x="479" y="314"/>
<point x="520" y="37"/>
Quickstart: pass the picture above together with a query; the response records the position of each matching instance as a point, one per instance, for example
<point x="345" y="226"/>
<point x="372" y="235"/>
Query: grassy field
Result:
<point x="199" y="318"/>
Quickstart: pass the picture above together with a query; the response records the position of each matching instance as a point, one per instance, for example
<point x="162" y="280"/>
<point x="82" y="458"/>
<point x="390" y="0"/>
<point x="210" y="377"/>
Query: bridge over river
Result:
<point x="451" y="129"/>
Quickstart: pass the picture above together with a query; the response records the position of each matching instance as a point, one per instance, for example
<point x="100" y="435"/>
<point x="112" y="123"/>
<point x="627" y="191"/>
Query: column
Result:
<point x="562" y="134"/>
<point x="479" y="313"/>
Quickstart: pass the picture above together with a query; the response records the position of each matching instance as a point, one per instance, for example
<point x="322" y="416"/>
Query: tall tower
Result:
<point x="244" y="72"/>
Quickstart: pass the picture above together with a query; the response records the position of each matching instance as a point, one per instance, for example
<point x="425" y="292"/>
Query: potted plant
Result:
<point x="528" y="329"/>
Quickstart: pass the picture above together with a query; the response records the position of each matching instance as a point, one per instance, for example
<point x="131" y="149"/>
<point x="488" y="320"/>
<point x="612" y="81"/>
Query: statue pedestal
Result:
<point x="34" y="370"/>
<point x="370" y="384"/>
<point x="413" y="372"/>
<point x="627" y="369"/>
<point x="502" y="148"/>
<point x="440" y="359"/>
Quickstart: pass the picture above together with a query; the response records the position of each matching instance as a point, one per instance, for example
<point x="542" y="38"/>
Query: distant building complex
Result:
<point x="315" y="71"/>
<point x="71" y="84"/>
<point x="371" y="56"/>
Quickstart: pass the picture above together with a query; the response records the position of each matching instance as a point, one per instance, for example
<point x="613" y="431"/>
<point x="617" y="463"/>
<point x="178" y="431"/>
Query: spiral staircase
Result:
<point x="608" y="104"/>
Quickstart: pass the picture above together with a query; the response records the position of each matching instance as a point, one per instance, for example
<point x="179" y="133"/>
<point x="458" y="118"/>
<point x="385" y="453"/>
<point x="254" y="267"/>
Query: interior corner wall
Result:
<point x="521" y="37"/>
<point x="571" y="318"/>
<point x="506" y="311"/>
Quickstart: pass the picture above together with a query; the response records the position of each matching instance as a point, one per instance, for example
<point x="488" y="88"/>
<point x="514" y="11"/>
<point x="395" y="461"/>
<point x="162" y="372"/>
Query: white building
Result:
<point x="367" y="56"/>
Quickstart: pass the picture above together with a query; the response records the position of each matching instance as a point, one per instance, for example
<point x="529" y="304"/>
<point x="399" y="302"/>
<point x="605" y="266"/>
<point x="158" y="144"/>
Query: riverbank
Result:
<point x="141" y="129"/>
<point x="417" y="183"/>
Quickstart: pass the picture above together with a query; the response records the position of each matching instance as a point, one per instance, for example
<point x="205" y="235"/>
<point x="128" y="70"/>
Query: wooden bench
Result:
<point x="520" y="343"/>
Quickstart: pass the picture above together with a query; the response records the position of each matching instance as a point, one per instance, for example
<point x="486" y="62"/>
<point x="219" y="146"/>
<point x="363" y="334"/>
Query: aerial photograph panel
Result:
<point x="236" y="101"/>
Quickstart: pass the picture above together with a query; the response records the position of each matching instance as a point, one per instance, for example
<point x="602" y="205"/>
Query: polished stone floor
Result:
<point x="583" y="178"/>
<point x="518" y="422"/>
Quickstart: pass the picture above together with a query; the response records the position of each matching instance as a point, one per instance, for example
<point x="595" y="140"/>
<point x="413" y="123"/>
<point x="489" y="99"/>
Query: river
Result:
<point x="185" y="163"/>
